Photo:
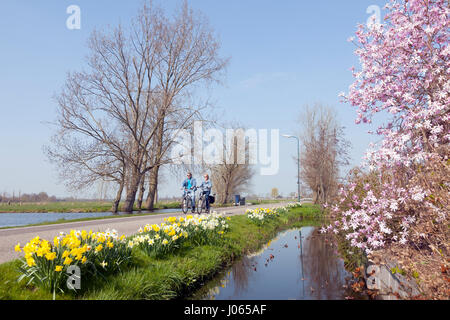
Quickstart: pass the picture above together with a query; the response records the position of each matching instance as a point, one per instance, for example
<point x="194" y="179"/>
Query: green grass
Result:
<point x="89" y="206"/>
<point x="74" y="206"/>
<point x="248" y="201"/>
<point x="178" y="274"/>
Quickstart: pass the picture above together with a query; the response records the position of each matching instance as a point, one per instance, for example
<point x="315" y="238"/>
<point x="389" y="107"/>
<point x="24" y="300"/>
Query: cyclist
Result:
<point x="206" y="190"/>
<point x="190" y="185"/>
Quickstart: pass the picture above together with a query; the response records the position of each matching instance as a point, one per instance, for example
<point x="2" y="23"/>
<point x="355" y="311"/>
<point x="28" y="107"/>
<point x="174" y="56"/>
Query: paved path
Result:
<point x="127" y="225"/>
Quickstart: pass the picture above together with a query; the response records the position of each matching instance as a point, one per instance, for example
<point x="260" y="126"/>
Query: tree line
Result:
<point x="25" y="197"/>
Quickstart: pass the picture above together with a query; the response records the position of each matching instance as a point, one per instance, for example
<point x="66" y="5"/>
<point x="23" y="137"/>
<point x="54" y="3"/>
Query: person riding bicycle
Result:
<point x="206" y="187"/>
<point x="190" y="185"/>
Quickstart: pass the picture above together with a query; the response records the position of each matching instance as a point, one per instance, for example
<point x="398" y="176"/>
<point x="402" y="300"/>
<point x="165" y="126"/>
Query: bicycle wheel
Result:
<point x="200" y="205"/>
<point x="185" y="206"/>
<point x="204" y="205"/>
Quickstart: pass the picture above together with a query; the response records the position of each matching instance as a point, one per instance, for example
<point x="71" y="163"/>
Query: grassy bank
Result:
<point x="253" y="202"/>
<point x="75" y="206"/>
<point x="176" y="275"/>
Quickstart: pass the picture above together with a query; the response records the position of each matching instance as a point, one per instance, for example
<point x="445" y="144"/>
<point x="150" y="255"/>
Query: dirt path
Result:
<point x="128" y="226"/>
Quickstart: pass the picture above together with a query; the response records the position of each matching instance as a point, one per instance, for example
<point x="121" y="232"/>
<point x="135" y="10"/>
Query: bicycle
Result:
<point x="201" y="203"/>
<point x="186" y="202"/>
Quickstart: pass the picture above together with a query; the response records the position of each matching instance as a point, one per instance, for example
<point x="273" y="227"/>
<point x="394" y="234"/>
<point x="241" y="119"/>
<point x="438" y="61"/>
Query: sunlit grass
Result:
<point x="73" y="206"/>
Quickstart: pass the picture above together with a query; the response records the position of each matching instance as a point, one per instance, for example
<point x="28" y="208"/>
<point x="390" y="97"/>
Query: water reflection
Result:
<point x="324" y="269"/>
<point x="297" y="265"/>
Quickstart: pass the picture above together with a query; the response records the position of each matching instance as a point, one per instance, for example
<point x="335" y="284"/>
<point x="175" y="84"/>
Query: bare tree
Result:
<point x="231" y="176"/>
<point x="324" y="151"/>
<point x="190" y="56"/>
<point x="117" y="112"/>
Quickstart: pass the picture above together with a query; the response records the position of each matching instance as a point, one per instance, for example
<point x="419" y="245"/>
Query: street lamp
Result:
<point x="298" y="162"/>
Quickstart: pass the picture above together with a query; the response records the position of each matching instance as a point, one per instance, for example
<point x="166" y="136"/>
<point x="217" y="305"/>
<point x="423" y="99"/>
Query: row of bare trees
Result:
<point x="116" y="119"/>
<point x="27" y="197"/>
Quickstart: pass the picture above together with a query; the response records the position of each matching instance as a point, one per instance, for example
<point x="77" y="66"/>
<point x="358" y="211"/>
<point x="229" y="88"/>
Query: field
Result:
<point x="73" y="206"/>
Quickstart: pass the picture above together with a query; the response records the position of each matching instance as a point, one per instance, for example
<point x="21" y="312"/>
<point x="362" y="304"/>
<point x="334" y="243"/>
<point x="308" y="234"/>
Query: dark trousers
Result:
<point x="207" y="193"/>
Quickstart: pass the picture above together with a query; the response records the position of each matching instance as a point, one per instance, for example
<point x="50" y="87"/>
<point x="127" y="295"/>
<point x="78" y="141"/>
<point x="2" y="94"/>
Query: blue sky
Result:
<point x="284" y="54"/>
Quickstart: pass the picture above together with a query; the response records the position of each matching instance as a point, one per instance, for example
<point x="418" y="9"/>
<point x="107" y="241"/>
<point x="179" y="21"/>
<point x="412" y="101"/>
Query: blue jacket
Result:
<point x="206" y="185"/>
<point x="186" y="183"/>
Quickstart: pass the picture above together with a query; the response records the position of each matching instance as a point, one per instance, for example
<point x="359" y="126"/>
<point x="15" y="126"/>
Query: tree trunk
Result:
<point x="115" y="207"/>
<point x="152" y="187"/>
<point x="226" y="194"/>
<point x="141" y="194"/>
<point x="131" y="192"/>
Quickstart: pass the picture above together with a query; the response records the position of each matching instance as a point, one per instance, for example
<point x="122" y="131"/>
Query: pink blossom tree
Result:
<point x="404" y="73"/>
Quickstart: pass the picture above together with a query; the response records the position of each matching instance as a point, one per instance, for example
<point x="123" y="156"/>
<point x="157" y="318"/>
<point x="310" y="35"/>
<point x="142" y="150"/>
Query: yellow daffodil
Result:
<point x="99" y="248"/>
<point x="35" y="240"/>
<point x="40" y="252"/>
<point x="67" y="261"/>
<point x="74" y="252"/>
<point x="172" y="219"/>
<point x="58" y="268"/>
<point x="31" y="262"/>
<point x="17" y="248"/>
<point x="83" y="261"/>
<point x="50" y="256"/>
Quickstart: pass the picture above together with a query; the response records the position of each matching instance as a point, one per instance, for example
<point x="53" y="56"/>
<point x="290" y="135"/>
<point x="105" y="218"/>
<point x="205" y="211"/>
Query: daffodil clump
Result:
<point x="261" y="215"/>
<point x="45" y="263"/>
<point x="169" y="236"/>
<point x="293" y="205"/>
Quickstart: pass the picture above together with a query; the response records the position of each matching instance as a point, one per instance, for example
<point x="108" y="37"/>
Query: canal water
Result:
<point x="23" y="219"/>
<point x="297" y="265"/>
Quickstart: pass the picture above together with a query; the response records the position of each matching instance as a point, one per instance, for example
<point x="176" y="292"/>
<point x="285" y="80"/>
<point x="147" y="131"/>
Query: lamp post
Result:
<point x="298" y="162"/>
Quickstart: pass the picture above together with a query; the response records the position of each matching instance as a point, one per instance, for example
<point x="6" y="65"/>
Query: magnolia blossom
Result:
<point x="404" y="71"/>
